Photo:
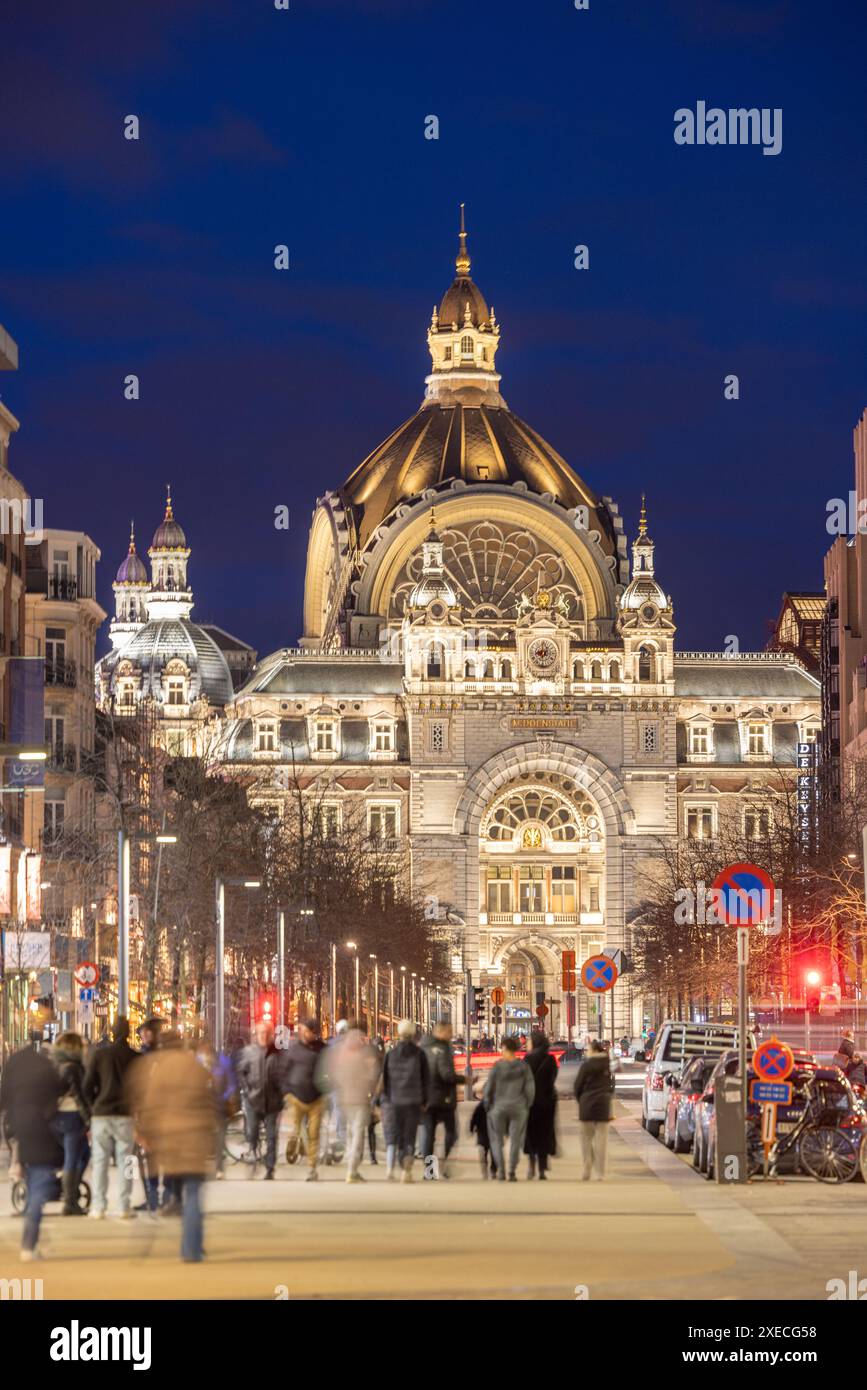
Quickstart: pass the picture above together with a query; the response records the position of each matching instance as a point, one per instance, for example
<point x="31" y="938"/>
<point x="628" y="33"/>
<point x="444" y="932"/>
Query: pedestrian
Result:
<point x="373" y="1121"/>
<point x="354" y="1073"/>
<point x="594" y="1086"/>
<point x="406" y="1089"/>
<point x="443" y="1106"/>
<point x="540" y="1143"/>
<point x="845" y="1051"/>
<point x="304" y="1079"/>
<point x="856" y="1074"/>
<point x="111" y="1126"/>
<point x="262" y="1092"/>
<point x="73" y="1118"/>
<point x="479" y="1127"/>
<point x="225" y="1083"/>
<point x="30" y="1086"/>
<point x="176" y="1114"/>
<point x="624" y="1046"/>
<point x="509" y="1093"/>
<point x="149" y="1036"/>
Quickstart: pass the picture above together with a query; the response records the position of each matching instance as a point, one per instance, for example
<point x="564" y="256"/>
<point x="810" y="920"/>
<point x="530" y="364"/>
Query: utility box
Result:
<point x="730" y="1158"/>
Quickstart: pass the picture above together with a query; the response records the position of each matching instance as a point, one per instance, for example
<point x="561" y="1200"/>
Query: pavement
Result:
<point x="654" y="1229"/>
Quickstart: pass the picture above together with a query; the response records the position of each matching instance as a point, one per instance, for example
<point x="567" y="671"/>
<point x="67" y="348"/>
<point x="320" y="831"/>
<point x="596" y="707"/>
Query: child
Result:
<point x="479" y="1127"/>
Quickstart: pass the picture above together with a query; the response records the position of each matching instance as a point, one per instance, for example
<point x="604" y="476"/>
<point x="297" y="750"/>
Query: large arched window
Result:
<point x="436" y="662"/>
<point x="645" y="664"/>
<point x="529" y="815"/>
<point x="466" y="346"/>
<point x="614" y="671"/>
<point x="596" y="671"/>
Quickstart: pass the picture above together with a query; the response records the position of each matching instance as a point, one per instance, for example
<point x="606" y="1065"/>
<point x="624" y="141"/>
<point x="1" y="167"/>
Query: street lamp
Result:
<point x="352" y="946"/>
<point x="403" y="991"/>
<point x="220" y="956"/>
<point x="123" y="895"/>
<point x="375" y="995"/>
<point x="390" y="998"/>
<point x="413" y="998"/>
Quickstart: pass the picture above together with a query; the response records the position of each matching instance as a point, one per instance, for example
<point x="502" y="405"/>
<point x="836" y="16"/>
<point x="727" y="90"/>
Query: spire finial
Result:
<point x="642" y="520"/>
<point x="132" y="538"/>
<point x="462" y="260"/>
<point x="169" y="513"/>
<point x="432" y="525"/>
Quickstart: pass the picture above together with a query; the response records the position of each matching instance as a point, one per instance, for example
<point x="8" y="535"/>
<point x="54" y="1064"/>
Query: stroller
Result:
<point x="19" y="1194"/>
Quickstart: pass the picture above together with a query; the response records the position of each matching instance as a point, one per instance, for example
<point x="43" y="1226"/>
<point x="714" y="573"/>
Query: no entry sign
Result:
<point x="773" y="1060"/>
<point x="86" y="973"/>
<point x="744" y="895"/>
<point x="598" y="974"/>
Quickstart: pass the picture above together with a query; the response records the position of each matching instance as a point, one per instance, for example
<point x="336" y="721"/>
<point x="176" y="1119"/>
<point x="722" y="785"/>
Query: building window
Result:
<point x="55" y="646"/>
<point x="614" y="671"/>
<point x="591" y="893"/>
<point x="466" y="346"/>
<point x="437" y="736"/>
<point x="650" y="738"/>
<point x="699" y="740"/>
<point x="699" y="822"/>
<point x="382" y="822"/>
<point x="53" y="821"/>
<point x="757" y="823"/>
<point x="435" y="662"/>
<point x="325" y="736"/>
<point x="266" y="738"/>
<point x="757" y="740"/>
<point x="176" y="692"/>
<point x="329" y="820"/>
<point x="531" y="888"/>
<point x="383" y="737"/>
<point x="499" y="890"/>
<point x="645" y="664"/>
<point x="563" y="888"/>
<point x="447" y="356"/>
<point x="127" y="694"/>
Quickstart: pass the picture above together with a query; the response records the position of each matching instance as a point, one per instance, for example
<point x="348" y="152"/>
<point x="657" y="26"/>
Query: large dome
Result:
<point x="161" y="641"/>
<point x="479" y="444"/>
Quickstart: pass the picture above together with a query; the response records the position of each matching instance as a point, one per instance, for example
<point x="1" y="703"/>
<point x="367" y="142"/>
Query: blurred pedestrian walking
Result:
<point x="30" y="1087"/>
<point x="594" y="1086"/>
<point x="225" y="1083"/>
<point x="479" y="1127"/>
<point x="304" y="1083"/>
<point x="443" y="1104"/>
<point x="260" y="1079"/>
<point x="509" y="1093"/>
<point x="354" y="1073"/>
<point x="73" y="1118"/>
<point x="406" y="1089"/>
<point x="111" y="1127"/>
<point x="176" y="1116"/>
<point x="540" y="1143"/>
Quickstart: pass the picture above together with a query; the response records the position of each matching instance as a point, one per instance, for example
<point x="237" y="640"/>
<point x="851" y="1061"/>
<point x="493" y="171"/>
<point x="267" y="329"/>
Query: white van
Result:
<point x="676" y="1043"/>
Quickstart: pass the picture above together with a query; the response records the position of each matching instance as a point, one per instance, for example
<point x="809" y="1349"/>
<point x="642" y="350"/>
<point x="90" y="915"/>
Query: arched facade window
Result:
<point x="488" y="672"/>
<point x="646" y="658"/>
<point x="596" y="671"/>
<point x="469" y="674"/>
<point x="614" y="671"/>
<point x="466" y="346"/>
<point x="506" y="670"/>
<point x="436" y="662"/>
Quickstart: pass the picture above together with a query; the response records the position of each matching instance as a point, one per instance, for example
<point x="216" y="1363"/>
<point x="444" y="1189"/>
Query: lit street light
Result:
<point x="220" y="954"/>
<point x="351" y="946"/>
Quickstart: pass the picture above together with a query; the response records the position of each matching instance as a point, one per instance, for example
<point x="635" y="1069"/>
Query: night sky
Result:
<point x="306" y="127"/>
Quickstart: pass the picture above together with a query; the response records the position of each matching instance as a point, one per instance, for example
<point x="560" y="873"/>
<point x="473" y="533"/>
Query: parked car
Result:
<point x="684" y="1090"/>
<point x="676" y="1044"/>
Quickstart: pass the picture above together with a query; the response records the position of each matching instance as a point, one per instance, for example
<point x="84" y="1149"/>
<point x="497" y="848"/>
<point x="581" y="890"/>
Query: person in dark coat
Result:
<point x="406" y="1092"/>
<point x="540" y="1141"/>
<point x="73" y="1118"/>
<point x="479" y="1127"/>
<point x="594" y="1085"/>
<point x="260" y="1070"/>
<point x="30" y="1088"/>
<point x="111" y="1126"/>
<point x="444" y="1082"/>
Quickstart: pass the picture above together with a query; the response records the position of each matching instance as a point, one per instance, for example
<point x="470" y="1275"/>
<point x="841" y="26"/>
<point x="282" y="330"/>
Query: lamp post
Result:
<point x="333" y="988"/>
<point x="281" y="967"/>
<point x="413" y="997"/>
<point x="352" y="946"/>
<point x="220" y="954"/>
<point x="390" y="999"/>
<point x="375" y="995"/>
<point x="403" y="991"/>
<point x="123" y="895"/>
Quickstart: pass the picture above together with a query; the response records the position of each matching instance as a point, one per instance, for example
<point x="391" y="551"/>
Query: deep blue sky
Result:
<point x="306" y="127"/>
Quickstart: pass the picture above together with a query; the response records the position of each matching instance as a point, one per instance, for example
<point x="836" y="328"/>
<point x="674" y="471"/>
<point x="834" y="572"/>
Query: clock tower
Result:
<point x="542" y="639"/>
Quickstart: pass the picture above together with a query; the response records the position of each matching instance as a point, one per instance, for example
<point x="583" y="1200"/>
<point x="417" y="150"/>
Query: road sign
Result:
<point x="87" y="973"/>
<point x="498" y="996"/>
<point x="771" y="1092"/>
<point x="598" y="974"/>
<point x="744" y="895"/>
<point x="773" y="1060"/>
<point x="541" y="1010"/>
<point x="567" y="960"/>
<point x="619" y="957"/>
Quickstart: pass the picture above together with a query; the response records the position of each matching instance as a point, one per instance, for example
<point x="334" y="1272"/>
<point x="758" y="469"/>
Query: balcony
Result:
<point x="62" y="588"/>
<point x="62" y="757"/>
<point x="61" y="673"/>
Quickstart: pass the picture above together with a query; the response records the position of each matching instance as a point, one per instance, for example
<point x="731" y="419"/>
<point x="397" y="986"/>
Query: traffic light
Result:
<point x="265" y="1007"/>
<point x="478" y="1003"/>
<point x="812" y="991"/>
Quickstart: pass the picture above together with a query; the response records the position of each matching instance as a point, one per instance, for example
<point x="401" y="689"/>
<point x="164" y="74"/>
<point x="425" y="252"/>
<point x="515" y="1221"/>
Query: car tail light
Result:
<point x="655" y="1080"/>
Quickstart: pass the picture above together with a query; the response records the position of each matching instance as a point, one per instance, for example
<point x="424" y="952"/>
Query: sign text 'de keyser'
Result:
<point x="541" y="721"/>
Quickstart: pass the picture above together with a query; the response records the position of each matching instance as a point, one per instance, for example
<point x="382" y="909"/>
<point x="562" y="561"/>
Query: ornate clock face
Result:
<point x="543" y="656"/>
<point x="648" y="613"/>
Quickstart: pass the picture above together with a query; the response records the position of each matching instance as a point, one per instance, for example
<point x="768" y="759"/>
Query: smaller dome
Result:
<point x="641" y="591"/>
<point x="132" y="570"/>
<point x="461" y="294"/>
<point x="169" y="535"/>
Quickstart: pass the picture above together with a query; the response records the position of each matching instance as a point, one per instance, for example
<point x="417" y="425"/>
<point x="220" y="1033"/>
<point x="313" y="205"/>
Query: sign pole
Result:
<point x="743" y="961"/>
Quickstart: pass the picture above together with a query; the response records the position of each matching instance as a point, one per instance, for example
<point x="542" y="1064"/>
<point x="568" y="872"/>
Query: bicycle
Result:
<point x="817" y="1143"/>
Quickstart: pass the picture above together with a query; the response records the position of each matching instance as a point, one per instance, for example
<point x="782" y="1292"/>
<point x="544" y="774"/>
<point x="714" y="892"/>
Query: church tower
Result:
<point x="646" y="619"/>
<point x="170" y="596"/>
<point x="130" y="592"/>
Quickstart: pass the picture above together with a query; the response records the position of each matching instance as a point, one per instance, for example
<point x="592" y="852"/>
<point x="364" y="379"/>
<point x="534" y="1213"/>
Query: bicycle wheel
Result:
<point x="235" y="1141"/>
<point x="827" y="1154"/>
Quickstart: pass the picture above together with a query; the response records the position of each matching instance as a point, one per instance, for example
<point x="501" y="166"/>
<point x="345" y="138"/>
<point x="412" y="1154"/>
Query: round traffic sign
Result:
<point x="744" y="895"/>
<point x="541" y="1010"/>
<point x="498" y="996"/>
<point x="86" y="974"/>
<point x="598" y="974"/>
<point x="773" y="1060"/>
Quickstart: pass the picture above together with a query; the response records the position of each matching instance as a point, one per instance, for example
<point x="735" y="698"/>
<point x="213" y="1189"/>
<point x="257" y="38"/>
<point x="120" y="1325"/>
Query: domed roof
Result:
<point x="158" y="642"/>
<point x="132" y="569"/>
<point x="462" y="294"/>
<point x="641" y="591"/>
<point x="168" y="535"/>
<point x="480" y="444"/>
